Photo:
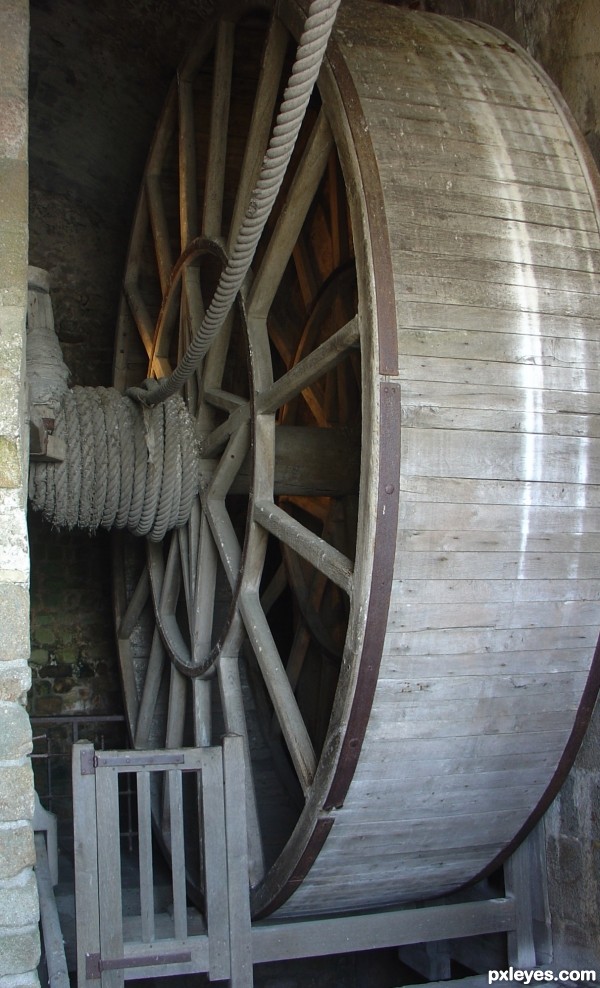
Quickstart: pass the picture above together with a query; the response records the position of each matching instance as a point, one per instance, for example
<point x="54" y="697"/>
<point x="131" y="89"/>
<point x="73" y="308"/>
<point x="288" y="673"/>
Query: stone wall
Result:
<point x="19" y="940"/>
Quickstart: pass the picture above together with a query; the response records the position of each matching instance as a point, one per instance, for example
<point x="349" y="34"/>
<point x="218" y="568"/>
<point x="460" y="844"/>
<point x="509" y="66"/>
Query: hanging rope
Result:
<point x="310" y="54"/>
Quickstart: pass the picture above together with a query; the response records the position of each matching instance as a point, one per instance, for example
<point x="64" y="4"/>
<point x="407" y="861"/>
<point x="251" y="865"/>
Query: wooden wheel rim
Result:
<point x="332" y="774"/>
<point x="382" y="539"/>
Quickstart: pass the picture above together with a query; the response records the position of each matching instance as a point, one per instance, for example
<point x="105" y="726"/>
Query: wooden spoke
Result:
<point x="135" y="606"/>
<point x="204" y="595"/>
<point x="214" y="364"/>
<point x="315" y="550"/>
<point x="220" y="436"/>
<point x="166" y="582"/>
<point x="226" y="540"/>
<point x="152" y="681"/>
<point x="273" y="591"/>
<point x="160" y="230"/>
<point x="145" y="325"/>
<point x="290" y="719"/>
<point x="176" y="715"/>
<point x="225" y="400"/>
<point x="287" y="230"/>
<point x="192" y="293"/>
<point x="188" y="202"/>
<point x="310" y="369"/>
<point x="219" y="122"/>
<point x="168" y="319"/>
<point x="260" y="125"/>
<point x="309" y="595"/>
<point x="230" y="463"/>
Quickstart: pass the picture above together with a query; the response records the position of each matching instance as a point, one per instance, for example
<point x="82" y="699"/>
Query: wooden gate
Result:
<point x="116" y="942"/>
<point x="111" y="946"/>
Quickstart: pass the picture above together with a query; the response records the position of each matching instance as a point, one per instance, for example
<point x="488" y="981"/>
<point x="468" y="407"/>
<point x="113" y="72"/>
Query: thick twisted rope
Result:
<point x="311" y="50"/>
<point x="125" y="466"/>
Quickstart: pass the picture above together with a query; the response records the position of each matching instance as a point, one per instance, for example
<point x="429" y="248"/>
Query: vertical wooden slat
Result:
<point x="215" y="864"/>
<point x="86" y="861"/>
<point x="145" y="856"/>
<point x="177" y="854"/>
<point x="109" y="867"/>
<point x="240" y="936"/>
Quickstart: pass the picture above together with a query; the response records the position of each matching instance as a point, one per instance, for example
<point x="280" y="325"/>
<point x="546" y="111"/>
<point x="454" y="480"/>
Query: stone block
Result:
<point x="13" y="125"/>
<point x="16" y="792"/>
<point x="13" y="327"/>
<point x="19" y="904"/>
<point x="15" y="732"/>
<point x="29" y="979"/>
<point x="14" y="615"/>
<point x="14" y="35"/>
<point x="14" y="550"/>
<point x="19" y="951"/>
<point x="13" y="193"/>
<point x="15" y="681"/>
<point x="571" y="861"/>
<point x="10" y="463"/>
<point x="13" y="263"/>
<point x="17" y="849"/>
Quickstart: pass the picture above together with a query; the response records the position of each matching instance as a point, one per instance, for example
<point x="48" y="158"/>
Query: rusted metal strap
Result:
<point x="95" y="965"/>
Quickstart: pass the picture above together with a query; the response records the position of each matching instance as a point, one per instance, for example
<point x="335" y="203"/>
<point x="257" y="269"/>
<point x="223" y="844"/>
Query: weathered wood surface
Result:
<point x="419" y="334"/>
<point x="494" y="610"/>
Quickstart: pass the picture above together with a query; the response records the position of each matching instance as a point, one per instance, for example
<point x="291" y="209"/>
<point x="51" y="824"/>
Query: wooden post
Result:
<point x="236" y="841"/>
<point x="109" y="866"/>
<point x="517" y="873"/>
<point x="215" y="864"/>
<point x="86" y="858"/>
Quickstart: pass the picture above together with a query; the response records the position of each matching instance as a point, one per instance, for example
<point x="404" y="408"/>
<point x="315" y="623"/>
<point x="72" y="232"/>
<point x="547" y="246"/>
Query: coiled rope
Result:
<point x="309" y="56"/>
<point x="125" y="466"/>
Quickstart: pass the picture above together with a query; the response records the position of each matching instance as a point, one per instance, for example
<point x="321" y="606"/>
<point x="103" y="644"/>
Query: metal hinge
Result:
<point x="95" y="965"/>
<point x="88" y="761"/>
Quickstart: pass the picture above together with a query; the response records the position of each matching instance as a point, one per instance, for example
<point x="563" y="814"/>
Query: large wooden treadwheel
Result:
<point x="404" y="642"/>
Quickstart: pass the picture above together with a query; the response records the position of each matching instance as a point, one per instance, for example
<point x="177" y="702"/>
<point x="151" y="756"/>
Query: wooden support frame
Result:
<point x="223" y="942"/>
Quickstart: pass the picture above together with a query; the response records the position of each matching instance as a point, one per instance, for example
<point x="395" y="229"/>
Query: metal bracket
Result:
<point x="88" y="762"/>
<point x="43" y="445"/>
<point x="94" y="965"/>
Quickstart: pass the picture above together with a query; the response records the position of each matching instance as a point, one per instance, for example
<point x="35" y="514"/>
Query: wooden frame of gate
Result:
<point x="222" y="941"/>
